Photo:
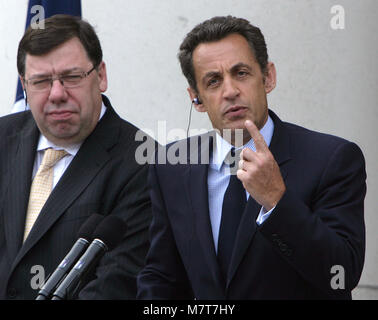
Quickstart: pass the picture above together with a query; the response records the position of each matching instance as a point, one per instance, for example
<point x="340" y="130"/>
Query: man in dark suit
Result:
<point x="285" y="223"/>
<point x="63" y="76"/>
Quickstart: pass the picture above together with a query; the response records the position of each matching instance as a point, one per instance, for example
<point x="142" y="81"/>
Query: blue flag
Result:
<point x="50" y="7"/>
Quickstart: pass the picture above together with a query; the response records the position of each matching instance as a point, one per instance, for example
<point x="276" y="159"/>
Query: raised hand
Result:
<point x="259" y="171"/>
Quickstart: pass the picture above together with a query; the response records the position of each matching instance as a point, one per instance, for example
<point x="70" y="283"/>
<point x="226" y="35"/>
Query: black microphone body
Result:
<point x="106" y="236"/>
<point x="77" y="250"/>
<point x="85" y="236"/>
<point x="68" y="286"/>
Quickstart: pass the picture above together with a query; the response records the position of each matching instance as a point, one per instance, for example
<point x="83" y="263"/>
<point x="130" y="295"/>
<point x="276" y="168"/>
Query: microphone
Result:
<point x="85" y="236"/>
<point x="106" y="236"/>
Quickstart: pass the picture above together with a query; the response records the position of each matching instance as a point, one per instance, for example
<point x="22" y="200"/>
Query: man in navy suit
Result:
<point x="274" y="212"/>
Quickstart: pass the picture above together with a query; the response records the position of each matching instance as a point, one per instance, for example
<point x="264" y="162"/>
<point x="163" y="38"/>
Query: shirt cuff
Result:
<point x="263" y="215"/>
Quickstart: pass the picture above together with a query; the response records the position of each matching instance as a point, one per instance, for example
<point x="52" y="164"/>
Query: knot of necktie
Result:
<point x="51" y="157"/>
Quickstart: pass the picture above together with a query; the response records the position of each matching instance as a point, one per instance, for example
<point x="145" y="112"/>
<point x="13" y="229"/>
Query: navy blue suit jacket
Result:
<point x="316" y="225"/>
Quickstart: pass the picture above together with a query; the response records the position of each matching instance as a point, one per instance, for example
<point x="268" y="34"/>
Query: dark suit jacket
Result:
<point x="104" y="178"/>
<point x="317" y="224"/>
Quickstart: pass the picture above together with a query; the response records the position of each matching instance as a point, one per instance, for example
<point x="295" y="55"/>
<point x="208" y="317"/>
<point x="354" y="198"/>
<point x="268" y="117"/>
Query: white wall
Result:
<point x="327" y="79"/>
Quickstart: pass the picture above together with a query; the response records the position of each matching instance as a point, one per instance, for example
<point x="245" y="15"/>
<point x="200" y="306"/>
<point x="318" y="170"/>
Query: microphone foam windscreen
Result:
<point x="111" y="231"/>
<point x="89" y="226"/>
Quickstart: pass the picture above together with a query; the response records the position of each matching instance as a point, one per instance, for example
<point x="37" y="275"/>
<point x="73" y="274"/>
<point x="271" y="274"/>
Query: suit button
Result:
<point x="12" y="293"/>
<point x="283" y="247"/>
<point x="275" y="238"/>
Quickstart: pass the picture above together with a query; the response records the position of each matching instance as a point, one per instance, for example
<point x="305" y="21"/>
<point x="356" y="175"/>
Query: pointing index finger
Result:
<point x="257" y="137"/>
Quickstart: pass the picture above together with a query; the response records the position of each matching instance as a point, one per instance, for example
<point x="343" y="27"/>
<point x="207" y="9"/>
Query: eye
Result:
<point x="71" y="78"/>
<point x="242" y="73"/>
<point x="213" y="82"/>
<point x="37" y="82"/>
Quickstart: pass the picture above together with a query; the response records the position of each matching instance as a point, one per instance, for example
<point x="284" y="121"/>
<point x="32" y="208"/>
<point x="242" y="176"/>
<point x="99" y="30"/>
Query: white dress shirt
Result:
<point x="219" y="177"/>
<point x="61" y="166"/>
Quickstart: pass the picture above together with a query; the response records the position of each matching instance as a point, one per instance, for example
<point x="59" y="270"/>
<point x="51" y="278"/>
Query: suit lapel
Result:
<point x="92" y="156"/>
<point x="280" y="148"/>
<point x="244" y="236"/>
<point x="198" y="190"/>
<point x="20" y="165"/>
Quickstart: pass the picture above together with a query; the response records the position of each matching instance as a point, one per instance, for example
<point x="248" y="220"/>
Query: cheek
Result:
<point x="37" y="108"/>
<point x="89" y="112"/>
<point x="257" y="95"/>
<point x="214" y="113"/>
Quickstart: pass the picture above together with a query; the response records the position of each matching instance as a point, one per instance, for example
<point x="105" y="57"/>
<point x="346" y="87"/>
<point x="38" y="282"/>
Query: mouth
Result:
<point x="61" y="114"/>
<point x="235" y="111"/>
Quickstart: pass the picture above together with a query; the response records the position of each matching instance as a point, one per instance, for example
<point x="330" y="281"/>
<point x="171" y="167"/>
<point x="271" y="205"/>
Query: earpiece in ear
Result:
<point x="196" y="101"/>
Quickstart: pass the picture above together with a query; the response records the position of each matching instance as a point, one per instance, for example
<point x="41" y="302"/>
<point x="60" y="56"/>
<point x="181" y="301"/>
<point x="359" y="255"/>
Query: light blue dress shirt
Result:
<point x="219" y="177"/>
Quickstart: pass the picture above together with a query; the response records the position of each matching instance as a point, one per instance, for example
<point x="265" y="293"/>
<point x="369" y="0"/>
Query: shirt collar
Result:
<point x="44" y="143"/>
<point x="223" y="147"/>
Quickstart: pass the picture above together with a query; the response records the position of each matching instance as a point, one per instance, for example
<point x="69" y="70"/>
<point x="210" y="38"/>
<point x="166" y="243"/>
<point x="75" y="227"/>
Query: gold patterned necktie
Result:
<point x="41" y="186"/>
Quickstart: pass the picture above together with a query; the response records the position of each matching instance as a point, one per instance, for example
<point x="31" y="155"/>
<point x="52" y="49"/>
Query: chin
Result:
<point x="237" y="124"/>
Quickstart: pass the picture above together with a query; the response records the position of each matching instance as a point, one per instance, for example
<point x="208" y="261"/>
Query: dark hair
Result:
<point x="57" y="30"/>
<point x="216" y="29"/>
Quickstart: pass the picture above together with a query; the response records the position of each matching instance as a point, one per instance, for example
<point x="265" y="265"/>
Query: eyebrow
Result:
<point x="210" y="74"/>
<point x="241" y="65"/>
<point x="234" y="68"/>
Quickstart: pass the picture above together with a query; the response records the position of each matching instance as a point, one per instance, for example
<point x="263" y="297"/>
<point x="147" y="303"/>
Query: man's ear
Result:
<point x="24" y="89"/>
<point x="22" y="82"/>
<point x="194" y="95"/>
<point x="270" y="77"/>
<point x="102" y="76"/>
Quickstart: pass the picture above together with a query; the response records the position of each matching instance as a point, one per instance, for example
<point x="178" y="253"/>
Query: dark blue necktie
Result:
<point x="234" y="202"/>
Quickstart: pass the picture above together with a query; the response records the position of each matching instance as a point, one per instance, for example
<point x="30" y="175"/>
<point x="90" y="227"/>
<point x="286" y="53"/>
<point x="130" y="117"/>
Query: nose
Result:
<point x="230" y="89"/>
<point x="58" y="93"/>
